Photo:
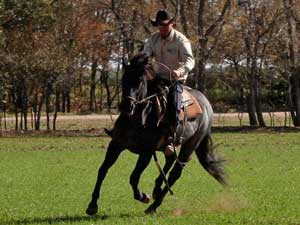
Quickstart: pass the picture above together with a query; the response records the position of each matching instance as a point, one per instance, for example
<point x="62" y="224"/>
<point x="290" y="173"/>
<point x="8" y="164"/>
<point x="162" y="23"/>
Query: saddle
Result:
<point x="190" y="106"/>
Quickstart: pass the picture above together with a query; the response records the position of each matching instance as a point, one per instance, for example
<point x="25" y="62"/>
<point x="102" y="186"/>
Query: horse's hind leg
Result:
<point x="111" y="156"/>
<point x="142" y="163"/>
<point x="169" y="160"/>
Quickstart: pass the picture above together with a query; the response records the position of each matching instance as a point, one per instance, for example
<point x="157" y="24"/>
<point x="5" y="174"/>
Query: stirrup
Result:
<point x="169" y="150"/>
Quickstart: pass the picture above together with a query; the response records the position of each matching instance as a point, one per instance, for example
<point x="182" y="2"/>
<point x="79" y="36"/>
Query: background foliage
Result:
<point x="63" y="56"/>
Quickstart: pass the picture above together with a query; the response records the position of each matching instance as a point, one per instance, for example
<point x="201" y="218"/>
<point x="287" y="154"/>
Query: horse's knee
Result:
<point x="156" y="192"/>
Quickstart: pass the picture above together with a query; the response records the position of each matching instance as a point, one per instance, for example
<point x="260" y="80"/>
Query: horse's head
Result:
<point x="134" y="83"/>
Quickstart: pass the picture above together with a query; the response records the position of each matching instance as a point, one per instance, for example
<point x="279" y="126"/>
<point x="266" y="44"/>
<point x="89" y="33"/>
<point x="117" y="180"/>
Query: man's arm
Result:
<point x="147" y="48"/>
<point x="188" y="62"/>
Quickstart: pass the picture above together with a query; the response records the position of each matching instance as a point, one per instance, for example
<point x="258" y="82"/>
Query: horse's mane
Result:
<point x="136" y="74"/>
<point x="134" y="69"/>
<point x="139" y="60"/>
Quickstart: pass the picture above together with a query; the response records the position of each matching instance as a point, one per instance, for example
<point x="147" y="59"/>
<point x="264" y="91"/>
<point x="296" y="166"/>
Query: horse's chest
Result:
<point x="138" y="140"/>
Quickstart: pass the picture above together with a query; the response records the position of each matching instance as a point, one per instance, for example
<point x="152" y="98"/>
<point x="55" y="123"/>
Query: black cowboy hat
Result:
<point x="162" y="18"/>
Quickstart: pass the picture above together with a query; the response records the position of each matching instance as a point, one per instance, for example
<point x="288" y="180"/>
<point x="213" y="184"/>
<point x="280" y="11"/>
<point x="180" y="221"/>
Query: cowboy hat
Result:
<point x="162" y="18"/>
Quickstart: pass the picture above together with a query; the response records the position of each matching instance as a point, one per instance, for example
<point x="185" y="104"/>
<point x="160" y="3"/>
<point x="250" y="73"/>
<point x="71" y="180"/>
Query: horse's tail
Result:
<point x="208" y="158"/>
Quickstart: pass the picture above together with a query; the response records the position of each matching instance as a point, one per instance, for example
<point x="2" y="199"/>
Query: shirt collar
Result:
<point x="170" y="37"/>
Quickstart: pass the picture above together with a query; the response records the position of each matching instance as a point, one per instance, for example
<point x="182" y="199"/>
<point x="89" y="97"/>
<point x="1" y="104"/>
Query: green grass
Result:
<point x="48" y="180"/>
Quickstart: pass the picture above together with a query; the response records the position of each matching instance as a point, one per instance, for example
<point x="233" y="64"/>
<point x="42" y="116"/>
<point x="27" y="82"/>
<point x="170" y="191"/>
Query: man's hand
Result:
<point x="176" y="74"/>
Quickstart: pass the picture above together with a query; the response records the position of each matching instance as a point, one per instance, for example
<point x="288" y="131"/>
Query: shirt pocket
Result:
<point x="172" y="49"/>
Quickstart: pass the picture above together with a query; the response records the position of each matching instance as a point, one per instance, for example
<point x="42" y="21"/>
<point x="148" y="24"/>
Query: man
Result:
<point x="171" y="48"/>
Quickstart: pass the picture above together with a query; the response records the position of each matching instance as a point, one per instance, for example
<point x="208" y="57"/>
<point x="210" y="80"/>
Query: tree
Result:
<point x="293" y="34"/>
<point x="257" y="20"/>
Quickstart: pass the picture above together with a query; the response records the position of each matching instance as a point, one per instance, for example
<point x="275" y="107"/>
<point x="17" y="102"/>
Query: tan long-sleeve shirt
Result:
<point x="175" y="52"/>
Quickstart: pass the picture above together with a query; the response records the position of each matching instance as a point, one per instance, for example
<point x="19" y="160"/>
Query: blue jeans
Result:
<point x="174" y="99"/>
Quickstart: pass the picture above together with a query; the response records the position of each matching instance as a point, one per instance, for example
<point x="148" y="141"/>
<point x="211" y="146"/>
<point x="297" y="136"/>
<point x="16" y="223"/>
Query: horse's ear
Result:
<point x="125" y="63"/>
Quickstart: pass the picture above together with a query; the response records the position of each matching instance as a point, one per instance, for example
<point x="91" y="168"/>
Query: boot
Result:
<point x="169" y="150"/>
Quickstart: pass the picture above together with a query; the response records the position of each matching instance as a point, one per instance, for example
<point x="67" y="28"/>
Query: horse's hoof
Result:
<point x="145" y="198"/>
<point x="150" y="211"/>
<point x="169" y="151"/>
<point x="91" y="211"/>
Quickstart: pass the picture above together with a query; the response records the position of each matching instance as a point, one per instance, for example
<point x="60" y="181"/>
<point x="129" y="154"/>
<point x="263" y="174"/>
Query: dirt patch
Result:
<point x="65" y="133"/>
<point x="178" y="212"/>
<point x="99" y="132"/>
<point x="227" y="202"/>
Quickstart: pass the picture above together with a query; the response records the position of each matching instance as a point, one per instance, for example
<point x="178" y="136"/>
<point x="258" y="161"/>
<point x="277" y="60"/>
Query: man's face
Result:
<point x="164" y="29"/>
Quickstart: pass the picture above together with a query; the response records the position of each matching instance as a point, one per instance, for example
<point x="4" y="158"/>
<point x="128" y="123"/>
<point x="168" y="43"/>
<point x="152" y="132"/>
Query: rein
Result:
<point x="165" y="90"/>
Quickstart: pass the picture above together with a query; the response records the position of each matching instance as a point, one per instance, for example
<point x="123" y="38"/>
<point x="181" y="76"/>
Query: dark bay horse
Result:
<point x="130" y="133"/>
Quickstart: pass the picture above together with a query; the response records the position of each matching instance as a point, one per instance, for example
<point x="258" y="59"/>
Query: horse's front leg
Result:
<point x="142" y="163"/>
<point x="111" y="156"/>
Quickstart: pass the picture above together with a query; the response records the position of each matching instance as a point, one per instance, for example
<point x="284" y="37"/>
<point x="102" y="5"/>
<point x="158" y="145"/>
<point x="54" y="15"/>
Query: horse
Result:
<point x="130" y="132"/>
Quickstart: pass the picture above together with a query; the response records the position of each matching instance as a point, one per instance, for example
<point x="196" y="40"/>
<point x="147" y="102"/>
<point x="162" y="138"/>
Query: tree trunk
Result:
<point x="46" y="93"/>
<point x="106" y="85"/>
<point x="56" y="108"/>
<point x="35" y="107"/>
<point x="39" y="112"/>
<point x="251" y="103"/>
<point x="92" y="103"/>
<point x="101" y="98"/>
<point x="202" y="45"/>
<point x="201" y="77"/>
<point x="57" y="100"/>
<point x="63" y="101"/>
<point x="183" y="19"/>
<point x="25" y="106"/>
<point x="48" y="109"/>
<point x="295" y="97"/>
<point x="259" y="111"/>
<point x="14" y="97"/>
<point x="21" y="120"/>
<point x="16" y="119"/>
<point x="68" y="101"/>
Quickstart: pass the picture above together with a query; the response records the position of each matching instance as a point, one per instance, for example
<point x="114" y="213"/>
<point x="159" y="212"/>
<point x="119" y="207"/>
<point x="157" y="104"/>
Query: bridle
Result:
<point x="150" y="76"/>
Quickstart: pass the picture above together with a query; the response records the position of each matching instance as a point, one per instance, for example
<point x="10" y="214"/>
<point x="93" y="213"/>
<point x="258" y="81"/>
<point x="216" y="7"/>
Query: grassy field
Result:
<point x="48" y="180"/>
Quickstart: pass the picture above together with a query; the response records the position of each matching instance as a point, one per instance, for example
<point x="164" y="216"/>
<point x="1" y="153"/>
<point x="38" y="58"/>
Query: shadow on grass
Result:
<point x="55" y="220"/>
<point x="68" y="219"/>
<point x="246" y="129"/>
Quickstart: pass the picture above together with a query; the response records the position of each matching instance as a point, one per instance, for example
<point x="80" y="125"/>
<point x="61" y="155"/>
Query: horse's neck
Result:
<point x="150" y="72"/>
